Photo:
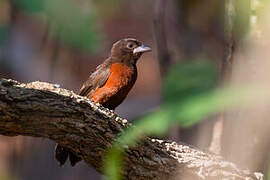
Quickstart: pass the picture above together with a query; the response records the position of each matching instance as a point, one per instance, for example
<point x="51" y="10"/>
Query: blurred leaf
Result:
<point x="4" y="175"/>
<point x="108" y="8"/>
<point x="113" y="164"/>
<point x="187" y="80"/>
<point x="241" y="21"/>
<point x="268" y="173"/>
<point x="198" y="108"/>
<point x="72" y="23"/>
<point x="151" y="124"/>
<point x="3" y="33"/>
<point x="31" y="6"/>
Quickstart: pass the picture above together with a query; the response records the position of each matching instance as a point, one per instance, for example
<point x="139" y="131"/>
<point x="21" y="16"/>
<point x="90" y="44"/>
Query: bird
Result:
<point x="110" y="83"/>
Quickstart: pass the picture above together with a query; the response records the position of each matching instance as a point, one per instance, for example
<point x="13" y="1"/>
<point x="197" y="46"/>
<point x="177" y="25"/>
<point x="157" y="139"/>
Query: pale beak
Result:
<point x="141" y="49"/>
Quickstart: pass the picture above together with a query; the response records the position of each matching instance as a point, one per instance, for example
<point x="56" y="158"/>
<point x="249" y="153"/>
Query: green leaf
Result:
<point x="31" y="6"/>
<point x="70" y="21"/>
<point x="154" y="123"/>
<point x="187" y="80"/>
<point x="113" y="164"/>
<point x="198" y="108"/>
<point x="184" y="83"/>
<point x="3" y="33"/>
<point x="73" y="24"/>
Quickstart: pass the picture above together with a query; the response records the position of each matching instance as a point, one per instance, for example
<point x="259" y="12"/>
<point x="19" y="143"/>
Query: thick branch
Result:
<point x="44" y="110"/>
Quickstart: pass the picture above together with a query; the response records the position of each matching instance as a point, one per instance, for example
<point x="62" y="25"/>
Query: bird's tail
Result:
<point x="62" y="154"/>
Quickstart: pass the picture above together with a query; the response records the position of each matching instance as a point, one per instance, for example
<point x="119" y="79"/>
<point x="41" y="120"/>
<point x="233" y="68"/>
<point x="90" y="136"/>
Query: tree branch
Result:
<point x="44" y="110"/>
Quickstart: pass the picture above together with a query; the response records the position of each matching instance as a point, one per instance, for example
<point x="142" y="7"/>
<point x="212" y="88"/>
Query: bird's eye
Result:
<point x="130" y="45"/>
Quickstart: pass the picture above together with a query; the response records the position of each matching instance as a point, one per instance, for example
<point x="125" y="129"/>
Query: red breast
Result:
<point x="121" y="80"/>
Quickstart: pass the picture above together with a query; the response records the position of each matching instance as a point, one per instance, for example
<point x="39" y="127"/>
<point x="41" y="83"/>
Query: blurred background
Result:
<point x="197" y="46"/>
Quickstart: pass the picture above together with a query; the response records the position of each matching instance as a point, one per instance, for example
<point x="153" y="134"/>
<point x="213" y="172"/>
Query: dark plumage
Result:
<point x="110" y="83"/>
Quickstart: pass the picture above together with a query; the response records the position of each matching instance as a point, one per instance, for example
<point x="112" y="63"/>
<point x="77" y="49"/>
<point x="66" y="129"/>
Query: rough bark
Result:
<point x="44" y="110"/>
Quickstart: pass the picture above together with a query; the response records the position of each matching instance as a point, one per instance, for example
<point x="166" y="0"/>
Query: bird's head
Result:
<point x="128" y="50"/>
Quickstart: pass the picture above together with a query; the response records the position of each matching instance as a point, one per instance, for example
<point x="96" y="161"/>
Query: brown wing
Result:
<point x="96" y="80"/>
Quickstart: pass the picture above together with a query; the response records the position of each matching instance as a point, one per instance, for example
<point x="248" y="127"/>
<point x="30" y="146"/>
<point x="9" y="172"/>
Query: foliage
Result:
<point x="31" y="6"/>
<point x="113" y="163"/>
<point x="185" y="83"/>
<point x="71" y="22"/>
<point x="5" y="175"/>
<point x="107" y="8"/>
<point x="3" y="33"/>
